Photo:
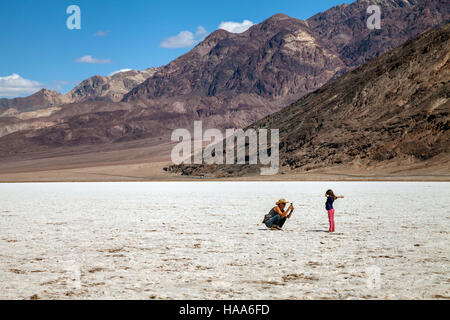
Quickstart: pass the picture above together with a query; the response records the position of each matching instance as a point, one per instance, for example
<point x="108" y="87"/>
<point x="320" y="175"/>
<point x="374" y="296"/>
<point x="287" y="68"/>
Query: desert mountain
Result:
<point x="111" y="88"/>
<point x="232" y="79"/>
<point x="100" y="88"/>
<point x="41" y="99"/>
<point x="392" y="110"/>
<point x="344" y="28"/>
<point x="228" y="80"/>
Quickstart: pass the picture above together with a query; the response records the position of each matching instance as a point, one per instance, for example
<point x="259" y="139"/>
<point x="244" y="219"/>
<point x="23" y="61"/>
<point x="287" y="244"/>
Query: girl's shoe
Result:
<point x="275" y="228"/>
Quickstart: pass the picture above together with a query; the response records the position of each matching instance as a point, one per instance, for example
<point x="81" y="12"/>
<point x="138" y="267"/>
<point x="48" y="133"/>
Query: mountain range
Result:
<point x="393" y="111"/>
<point x="228" y="80"/>
<point x="96" y="88"/>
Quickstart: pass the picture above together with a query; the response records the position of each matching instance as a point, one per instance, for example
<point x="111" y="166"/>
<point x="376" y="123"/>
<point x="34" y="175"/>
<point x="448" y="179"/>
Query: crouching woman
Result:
<point x="276" y="218"/>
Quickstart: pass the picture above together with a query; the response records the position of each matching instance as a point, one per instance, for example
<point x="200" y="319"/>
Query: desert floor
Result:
<point x="145" y="161"/>
<point x="205" y="240"/>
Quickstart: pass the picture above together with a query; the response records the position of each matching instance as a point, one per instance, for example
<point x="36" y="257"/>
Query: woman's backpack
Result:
<point x="271" y="214"/>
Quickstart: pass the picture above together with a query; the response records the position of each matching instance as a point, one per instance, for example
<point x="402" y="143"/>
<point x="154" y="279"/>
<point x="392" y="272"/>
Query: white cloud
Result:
<point x="90" y="59"/>
<point x="201" y="33"/>
<point x="119" y="71"/>
<point x="100" y="33"/>
<point x="185" y="39"/>
<point x="181" y="40"/>
<point x="236" y="27"/>
<point x="15" y="86"/>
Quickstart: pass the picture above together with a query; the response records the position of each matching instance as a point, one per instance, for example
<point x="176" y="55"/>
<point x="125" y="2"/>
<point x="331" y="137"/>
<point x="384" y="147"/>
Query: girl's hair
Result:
<point x="331" y="193"/>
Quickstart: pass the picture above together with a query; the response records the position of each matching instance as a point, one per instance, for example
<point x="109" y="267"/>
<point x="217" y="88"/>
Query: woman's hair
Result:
<point x="331" y="193"/>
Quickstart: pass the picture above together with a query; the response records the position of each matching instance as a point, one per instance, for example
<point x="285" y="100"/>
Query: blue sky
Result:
<point x="115" y="34"/>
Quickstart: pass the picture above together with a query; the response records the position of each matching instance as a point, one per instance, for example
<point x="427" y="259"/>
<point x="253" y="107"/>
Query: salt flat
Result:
<point x="204" y="240"/>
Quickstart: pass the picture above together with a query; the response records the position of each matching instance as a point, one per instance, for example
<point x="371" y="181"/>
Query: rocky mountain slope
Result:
<point x="39" y="100"/>
<point x="344" y="28"/>
<point x="393" y="110"/>
<point x="111" y="88"/>
<point x="280" y="60"/>
<point x="97" y="88"/>
<point x="228" y="80"/>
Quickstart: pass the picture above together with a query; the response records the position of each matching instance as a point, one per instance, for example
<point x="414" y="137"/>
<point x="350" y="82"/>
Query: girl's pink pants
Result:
<point x="331" y="219"/>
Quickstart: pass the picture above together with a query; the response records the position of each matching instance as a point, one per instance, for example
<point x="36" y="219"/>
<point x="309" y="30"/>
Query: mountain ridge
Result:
<point x="96" y="88"/>
<point x="227" y="81"/>
<point x="227" y="65"/>
<point x="393" y="111"/>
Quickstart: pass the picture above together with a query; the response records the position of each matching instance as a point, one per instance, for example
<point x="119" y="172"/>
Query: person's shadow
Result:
<point x="316" y="231"/>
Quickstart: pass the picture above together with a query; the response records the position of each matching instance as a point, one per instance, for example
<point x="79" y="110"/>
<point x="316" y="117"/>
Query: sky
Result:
<point x="38" y="50"/>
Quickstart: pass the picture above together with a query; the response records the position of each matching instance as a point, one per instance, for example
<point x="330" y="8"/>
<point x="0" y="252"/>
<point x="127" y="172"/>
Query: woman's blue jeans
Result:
<point x="276" y="220"/>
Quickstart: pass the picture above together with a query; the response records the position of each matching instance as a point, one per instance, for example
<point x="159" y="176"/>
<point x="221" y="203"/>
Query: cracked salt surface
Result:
<point x="204" y="240"/>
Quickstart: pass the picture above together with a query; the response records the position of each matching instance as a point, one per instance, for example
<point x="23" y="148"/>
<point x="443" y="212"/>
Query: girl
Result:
<point x="329" y="207"/>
